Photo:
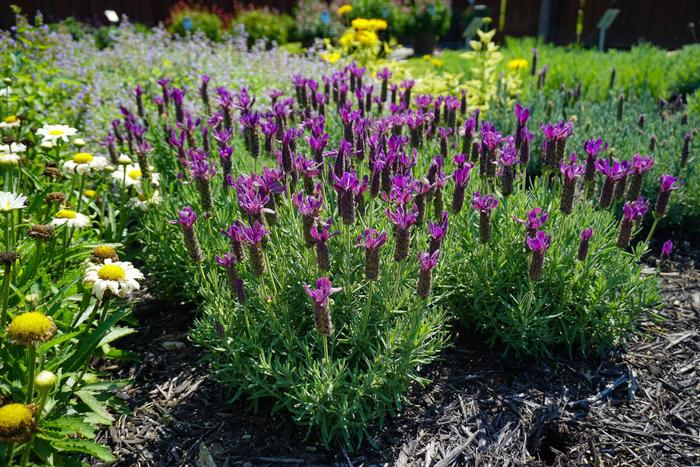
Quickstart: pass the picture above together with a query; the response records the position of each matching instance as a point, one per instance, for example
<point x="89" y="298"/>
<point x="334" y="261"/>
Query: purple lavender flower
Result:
<point x="534" y="220"/>
<point x="346" y="185"/>
<point x="372" y="240"/>
<point x="235" y="234"/>
<point x="613" y="172"/>
<point x="570" y="172"/>
<point x="538" y="244"/>
<point x="484" y="204"/>
<point x="228" y="261"/>
<point x="320" y="295"/>
<point x="187" y="218"/>
<point x="640" y="166"/>
<point x="402" y="219"/>
<point x="666" y="250"/>
<point x="667" y="183"/>
<point x="586" y="235"/>
<point x="253" y="236"/>
<point x="321" y="237"/>
<point x="592" y="147"/>
<point x="509" y="158"/>
<point x="427" y="261"/>
<point x="437" y="232"/>
<point x="309" y="208"/>
<point x="632" y="211"/>
<point x="461" y="179"/>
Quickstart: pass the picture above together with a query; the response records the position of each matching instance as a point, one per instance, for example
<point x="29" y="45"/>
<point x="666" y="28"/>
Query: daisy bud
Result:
<point x="586" y="235"/>
<point x="45" y="381"/>
<point x="103" y="252"/>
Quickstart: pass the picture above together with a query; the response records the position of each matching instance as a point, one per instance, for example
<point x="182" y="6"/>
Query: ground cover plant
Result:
<point x="63" y="298"/>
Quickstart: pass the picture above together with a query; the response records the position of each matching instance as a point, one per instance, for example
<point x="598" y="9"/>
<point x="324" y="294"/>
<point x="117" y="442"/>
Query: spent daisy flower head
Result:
<point x="10" y="201"/>
<point x="118" y="278"/>
<point x="131" y="175"/>
<point x="83" y="163"/>
<point x="70" y="218"/>
<point x="52" y="133"/>
<point x="31" y="328"/>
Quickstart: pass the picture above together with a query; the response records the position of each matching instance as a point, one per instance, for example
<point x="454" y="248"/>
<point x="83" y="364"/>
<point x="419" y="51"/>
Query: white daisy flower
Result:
<point x="144" y="204"/>
<point x="11" y="121"/>
<point x="13" y="148"/>
<point x="10" y="201"/>
<point x="83" y="163"/>
<point x="56" y="132"/>
<point x="70" y="218"/>
<point x="118" y="277"/>
<point x="130" y="175"/>
<point x="7" y="159"/>
<point x="4" y="92"/>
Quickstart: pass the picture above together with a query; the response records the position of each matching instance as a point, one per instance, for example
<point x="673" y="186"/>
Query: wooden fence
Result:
<point x="662" y="22"/>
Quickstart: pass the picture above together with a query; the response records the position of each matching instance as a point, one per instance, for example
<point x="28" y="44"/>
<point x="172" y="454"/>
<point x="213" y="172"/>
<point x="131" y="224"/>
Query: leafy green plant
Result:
<point x="264" y="24"/>
<point x="185" y="18"/>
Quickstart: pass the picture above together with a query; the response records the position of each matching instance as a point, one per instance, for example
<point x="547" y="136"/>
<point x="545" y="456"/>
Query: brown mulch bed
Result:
<point x="635" y="406"/>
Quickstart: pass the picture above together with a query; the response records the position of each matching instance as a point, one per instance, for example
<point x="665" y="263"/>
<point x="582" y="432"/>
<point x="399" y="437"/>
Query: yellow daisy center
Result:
<point x="31" y="327"/>
<point x="56" y="132"/>
<point x="104" y="252"/>
<point x="11" y="119"/>
<point x="15" y="417"/>
<point x="134" y="174"/>
<point x="111" y="272"/>
<point x="66" y="214"/>
<point x="83" y="158"/>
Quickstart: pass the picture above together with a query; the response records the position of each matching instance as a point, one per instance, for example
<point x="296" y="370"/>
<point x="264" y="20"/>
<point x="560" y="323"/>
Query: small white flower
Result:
<point x="83" y="163"/>
<point x="4" y="92"/>
<point x="130" y="175"/>
<point x="10" y="201"/>
<point x="47" y="144"/>
<point x="144" y="204"/>
<point x="79" y="142"/>
<point x="70" y="218"/>
<point x="11" y="121"/>
<point x="56" y="132"/>
<point x="118" y="277"/>
<point x="13" y="148"/>
<point x="7" y="159"/>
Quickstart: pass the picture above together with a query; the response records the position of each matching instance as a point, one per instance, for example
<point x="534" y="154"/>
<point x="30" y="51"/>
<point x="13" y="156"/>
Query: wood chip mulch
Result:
<point x="634" y="406"/>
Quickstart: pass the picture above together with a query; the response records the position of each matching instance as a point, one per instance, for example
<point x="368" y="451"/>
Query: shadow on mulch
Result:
<point x="637" y="406"/>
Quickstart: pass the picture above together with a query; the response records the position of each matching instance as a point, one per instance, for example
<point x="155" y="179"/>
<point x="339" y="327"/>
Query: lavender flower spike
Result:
<point x="322" y="312"/>
<point x="187" y="218"/>
<point x="586" y="235"/>
<point x="538" y="244"/>
<point x="484" y="204"/>
<point x="372" y="240"/>
<point x="427" y="262"/>
<point x="667" y="183"/>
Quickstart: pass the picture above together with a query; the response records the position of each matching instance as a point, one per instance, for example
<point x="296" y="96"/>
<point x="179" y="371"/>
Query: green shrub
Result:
<point x="575" y="306"/>
<point x="315" y="19"/>
<point x="186" y="18"/>
<point x="424" y="16"/>
<point x="388" y="10"/>
<point x="263" y="24"/>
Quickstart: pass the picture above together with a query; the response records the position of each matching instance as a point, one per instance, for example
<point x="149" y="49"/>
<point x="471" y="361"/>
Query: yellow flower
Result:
<point x="367" y="37"/>
<point x="103" y="252"/>
<point x="360" y="24"/>
<point x="344" y="9"/>
<point x="16" y="423"/>
<point x="377" y="25"/>
<point x="30" y="328"/>
<point x="330" y="57"/>
<point x="517" y="64"/>
<point x="437" y="62"/>
<point x="89" y="193"/>
<point x="347" y="39"/>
